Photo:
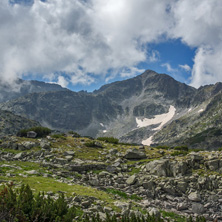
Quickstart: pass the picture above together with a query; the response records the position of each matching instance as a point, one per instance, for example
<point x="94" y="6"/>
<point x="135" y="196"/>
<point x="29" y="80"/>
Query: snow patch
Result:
<point x="101" y="124"/>
<point x="104" y="131"/>
<point x="158" y="119"/>
<point x="189" y="109"/>
<point x="201" y="110"/>
<point x="148" y="141"/>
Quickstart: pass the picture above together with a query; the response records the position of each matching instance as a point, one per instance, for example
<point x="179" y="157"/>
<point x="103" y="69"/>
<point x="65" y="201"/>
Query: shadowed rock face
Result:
<point x="117" y="108"/>
<point x="11" y="124"/>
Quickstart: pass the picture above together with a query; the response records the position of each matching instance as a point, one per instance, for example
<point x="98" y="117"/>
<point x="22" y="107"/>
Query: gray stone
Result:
<point x="45" y="144"/>
<point x="31" y="134"/>
<point x="131" y="180"/>
<point x="135" y="154"/>
<point x="182" y="206"/>
<point x="98" y="144"/>
<point x="19" y="156"/>
<point x="159" y="168"/>
<point x="198" y="208"/>
<point x="194" y="196"/>
<point x="69" y="158"/>
<point x="69" y="153"/>
<point x="154" y="211"/>
<point x="179" y="168"/>
<point x="94" y="182"/>
<point x="113" y="151"/>
<point x="213" y="164"/>
<point x="33" y="172"/>
<point x="149" y="185"/>
<point x="182" y="186"/>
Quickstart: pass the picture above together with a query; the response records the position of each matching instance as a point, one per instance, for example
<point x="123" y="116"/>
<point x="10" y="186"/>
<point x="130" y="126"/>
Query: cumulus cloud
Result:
<point x="198" y="24"/>
<point x="89" y="38"/>
<point x="76" y="37"/>
<point x="169" y="67"/>
<point x="185" y="67"/>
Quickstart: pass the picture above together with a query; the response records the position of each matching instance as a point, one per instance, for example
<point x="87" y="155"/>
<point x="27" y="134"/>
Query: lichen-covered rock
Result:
<point x="194" y="196"/>
<point x="135" y="154"/>
<point x="159" y="168"/>
<point x="131" y="180"/>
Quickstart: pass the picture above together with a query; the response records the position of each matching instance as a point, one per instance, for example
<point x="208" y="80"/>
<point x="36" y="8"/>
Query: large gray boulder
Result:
<point x="198" y="208"/>
<point x="135" y="154"/>
<point x="160" y="168"/>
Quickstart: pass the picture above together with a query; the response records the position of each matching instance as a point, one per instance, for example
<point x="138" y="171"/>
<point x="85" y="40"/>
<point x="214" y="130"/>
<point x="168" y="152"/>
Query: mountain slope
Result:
<point x="115" y="109"/>
<point x="149" y="108"/>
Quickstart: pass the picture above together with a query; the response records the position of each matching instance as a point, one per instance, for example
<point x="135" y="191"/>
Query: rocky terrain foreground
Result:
<point x="97" y="176"/>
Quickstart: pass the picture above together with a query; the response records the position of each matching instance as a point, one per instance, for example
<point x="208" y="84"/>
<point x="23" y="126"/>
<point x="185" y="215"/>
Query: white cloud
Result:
<point x="133" y="71"/>
<point x="169" y="67"/>
<point x="62" y="81"/>
<point x="86" y="39"/>
<point x="154" y="56"/>
<point x="186" y="67"/>
<point x="75" y="36"/>
<point x="198" y="24"/>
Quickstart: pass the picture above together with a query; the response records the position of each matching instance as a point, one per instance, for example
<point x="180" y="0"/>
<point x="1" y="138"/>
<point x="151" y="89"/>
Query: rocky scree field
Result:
<point x="98" y="177"/>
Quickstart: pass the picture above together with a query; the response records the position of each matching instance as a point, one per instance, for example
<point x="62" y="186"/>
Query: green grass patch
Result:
<point x="123" y="194"/>
<point x="109" y="139"/>
<point x="173" y="216"/>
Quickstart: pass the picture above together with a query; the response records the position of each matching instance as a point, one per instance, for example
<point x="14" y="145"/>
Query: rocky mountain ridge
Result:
<point x="150" y="108"/>
<point x="23" y="87"/>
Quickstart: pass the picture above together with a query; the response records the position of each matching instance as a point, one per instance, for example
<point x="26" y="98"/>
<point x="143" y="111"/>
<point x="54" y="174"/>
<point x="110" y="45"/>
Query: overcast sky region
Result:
<point x="83" y="44"/>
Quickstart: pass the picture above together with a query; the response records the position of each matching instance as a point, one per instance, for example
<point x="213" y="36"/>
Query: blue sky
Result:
<point x="84" y="44"/>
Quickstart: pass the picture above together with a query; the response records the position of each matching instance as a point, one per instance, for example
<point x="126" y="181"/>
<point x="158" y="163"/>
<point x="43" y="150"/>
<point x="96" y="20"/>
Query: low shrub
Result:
<point x="41" y="131"/>
<point x="59" y="136"/>
<point x="109" y="139"/>
<point x="164" y="147"/>
<point x="74" y="134"/>
<point x="181" y="148"/>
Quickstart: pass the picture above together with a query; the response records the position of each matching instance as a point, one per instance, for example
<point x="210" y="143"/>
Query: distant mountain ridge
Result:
<point x="24" y="87"/>
<point x="150" y="108"/>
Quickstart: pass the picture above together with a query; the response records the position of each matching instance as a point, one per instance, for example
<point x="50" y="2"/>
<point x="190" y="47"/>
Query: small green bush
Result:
<point x="181" y="148"/>
<point x="90" y="144"/>
<point x="59" y="136"/>
<point x="109" y="139"/>
<point x="164" y="147"/>
<point x="123" y="194"/>
<point x="41" y="131"/>
<point x="74" y="134"/>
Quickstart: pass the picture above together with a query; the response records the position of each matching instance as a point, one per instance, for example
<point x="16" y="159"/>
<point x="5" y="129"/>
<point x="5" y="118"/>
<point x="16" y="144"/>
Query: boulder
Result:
<point x="182" y="206"/>
<point x="194" y="196"/>
<point x="198" y="208"/>
<point x="19" y="156"/>
<point x="131" y="180"/>
<point x="45" y="144"/>
<point x="135" y="154"/>
<point x="213" y="164"/>
<point x="160" y="168"/>
<point x="179" y="168"/>
<point x="69" y="153"/>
